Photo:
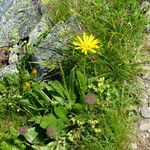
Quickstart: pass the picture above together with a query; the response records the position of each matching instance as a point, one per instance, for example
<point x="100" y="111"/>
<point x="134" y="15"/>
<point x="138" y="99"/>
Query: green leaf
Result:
<point x="6" y="146"/>
<point x="71" y="85"/>
<point x="82" y="116"/>
<point x="11" y="79"/>
<point x="48" y="121"/>
<point x="82" y="80"/>
<point x="59" y="99"/>
<point x="41" y="93"/>
<point x="61" y="111"/>
<point x="77" y="107"/>
<point x="48" y="87"/>
<point x="2" y="87"/>
<point x="36" y="119"/>
<point x="50" y="146"/>
<point x="31" y="135"/>
<point x="57" y="87"/>
<point x="81" y="83"/>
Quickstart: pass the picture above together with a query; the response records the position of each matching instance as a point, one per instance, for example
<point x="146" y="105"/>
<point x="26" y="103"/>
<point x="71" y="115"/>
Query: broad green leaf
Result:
<point x="48" y="87"/>
<point x="71" y="85"/>
<point x="61" y="111"/>
<point x="39" y="91"/>
<point x="50" y="146"/>
<point x="6" y="146"/>
<point x="31" y="135"/>
<point x="57" y="87"/>
<point x="2" y="87"/>
<point x="77" y="107"/>
<point x="58" y="99"/>
<point x="36" y="119"/>
<point x="48" y="121"/>
<point x="82" y="81"/>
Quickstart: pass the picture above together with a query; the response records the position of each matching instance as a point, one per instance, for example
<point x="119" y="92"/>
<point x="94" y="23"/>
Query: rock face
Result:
<point x="23" y="19"/>
<point x="55" y="40"/>
<point x="17" y="20"/>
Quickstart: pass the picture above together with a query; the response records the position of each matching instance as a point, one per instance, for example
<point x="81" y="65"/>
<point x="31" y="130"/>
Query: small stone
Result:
<point x="144" y="137"/>
<point x="145" y="112"/>
<point x="147" y="76"/>
<point x="145" y="4"/>
<point x="148" y="14"/>
<point x="147" y="135"/>
<point x="148" y="131"/>
<point x="148" y="30"/>
<point x="134" y="146"/>
<point x="13" y="56"/>
<point x="144" y="126"/>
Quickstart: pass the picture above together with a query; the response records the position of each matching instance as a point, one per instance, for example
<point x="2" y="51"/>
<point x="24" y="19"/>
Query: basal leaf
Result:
<point x="48" y="120"/>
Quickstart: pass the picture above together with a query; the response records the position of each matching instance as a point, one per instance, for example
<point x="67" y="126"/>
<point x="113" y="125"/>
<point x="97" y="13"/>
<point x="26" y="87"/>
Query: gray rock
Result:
<point x="144" y="125"/>
<point x="148" y="15"/>
<point x="145" y="4"/>
<point x="13" y="56"/>
<point x="56" y="40"/>
<point x="20" y="19"/>
<point x="134" y="146"/>
<point x="145" y="112"/>
<point x="147" y="76"/>
<point x="17" y="19"/>
<point x="42" y="28"/>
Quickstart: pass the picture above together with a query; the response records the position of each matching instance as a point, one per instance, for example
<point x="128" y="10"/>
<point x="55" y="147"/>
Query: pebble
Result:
<point x="134" y="146"/>
<point x="145" y="112"/>
<point x="144" y="126"/>
<point x="147" y="76"/>
<point x="145" y="4"/>
<point x="148" y="131"/>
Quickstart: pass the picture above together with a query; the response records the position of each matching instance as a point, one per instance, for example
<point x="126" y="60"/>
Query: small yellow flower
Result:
<point x="86" y="43"/>
<point x="80" y="123"/>
<point x="27" y="84"/>
<point x="34" y="71"/>
<point x="97" y="130"/>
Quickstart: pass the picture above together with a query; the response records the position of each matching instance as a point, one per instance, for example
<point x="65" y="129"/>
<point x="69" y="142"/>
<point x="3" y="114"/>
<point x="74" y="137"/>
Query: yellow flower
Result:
<point x="27" y="84"/>
<point x="86" y="43"/>
<point x="97" y="130"/>
<point x="34" y="71"/>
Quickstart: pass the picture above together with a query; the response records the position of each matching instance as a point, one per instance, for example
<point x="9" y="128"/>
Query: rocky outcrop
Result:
<point x="56" y="39"/>
<point x="17" y="19"/>
<point x="23" y="19"/>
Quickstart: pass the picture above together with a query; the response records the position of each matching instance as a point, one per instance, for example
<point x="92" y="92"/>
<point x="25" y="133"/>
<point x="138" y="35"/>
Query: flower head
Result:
<point x="23" y="130"/>
<point x="86" y="43"/>
<point x="28" y="84"/>
<point x="90" y="98"/>
<point x="50" y="132"/>
<point x="34" y="71"/>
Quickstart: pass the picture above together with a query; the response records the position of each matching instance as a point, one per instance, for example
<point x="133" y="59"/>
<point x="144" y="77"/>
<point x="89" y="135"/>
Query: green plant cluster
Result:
<point x="92" y="103"/>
